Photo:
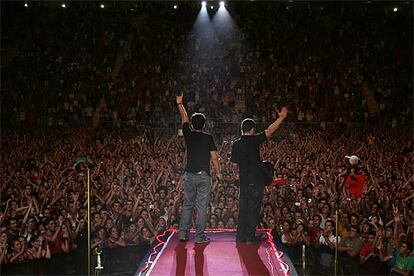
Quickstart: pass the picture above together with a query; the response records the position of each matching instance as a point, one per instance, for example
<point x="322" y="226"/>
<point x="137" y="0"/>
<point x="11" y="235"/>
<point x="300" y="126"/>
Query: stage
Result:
<point x="222" y="256"/>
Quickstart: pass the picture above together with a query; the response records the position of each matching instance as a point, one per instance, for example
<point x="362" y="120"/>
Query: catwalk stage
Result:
<point x="221" y="257"/>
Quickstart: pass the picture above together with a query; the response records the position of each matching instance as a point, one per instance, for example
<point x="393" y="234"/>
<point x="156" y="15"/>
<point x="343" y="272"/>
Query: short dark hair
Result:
<point x="318" y="216"/>
<point x="409" y="245"/>
<point x="198" y="120"/>
<point x="356" y="228"/>
<point x="247" y="124"/>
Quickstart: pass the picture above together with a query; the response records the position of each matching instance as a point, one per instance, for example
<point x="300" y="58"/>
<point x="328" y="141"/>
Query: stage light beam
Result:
<point x="204" y="3"/>
<point x="222" y="4"/>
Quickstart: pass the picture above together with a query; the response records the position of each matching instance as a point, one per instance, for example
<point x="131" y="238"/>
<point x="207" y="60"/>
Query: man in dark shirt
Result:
<point x="246" y="153"/>
<point x="197" y="181"/>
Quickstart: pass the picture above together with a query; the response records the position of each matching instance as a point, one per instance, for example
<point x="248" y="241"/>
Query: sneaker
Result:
<point x="204" y="239"/>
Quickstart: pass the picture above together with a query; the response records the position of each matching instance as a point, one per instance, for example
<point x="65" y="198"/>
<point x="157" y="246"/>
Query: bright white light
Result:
<point x="102" y="6"/>
<point x="203" y="4"/>
<point x="222" y="4"/>
<point x="211" y="7"/>
<point x="395" y="9"/>
<point x="26" y="5"/>
<point x="63" y="5"/>
<point x="175" y="7"/>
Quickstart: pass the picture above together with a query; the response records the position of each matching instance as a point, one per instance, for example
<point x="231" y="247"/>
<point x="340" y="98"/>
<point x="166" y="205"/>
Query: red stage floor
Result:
<point x="219" y="257"/>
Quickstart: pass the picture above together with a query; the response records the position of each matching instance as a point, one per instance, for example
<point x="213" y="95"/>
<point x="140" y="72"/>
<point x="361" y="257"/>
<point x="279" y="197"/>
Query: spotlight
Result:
<point x="63" y="5"/>
<point x="26" y="5"/>
<point x="211" y="7"/>
<point x="102" y="6"/>
<point x="222" y="4"/>
<point x="204" y="3"/>
<point x="175" y="7"/>
<point x="395" y="9"/>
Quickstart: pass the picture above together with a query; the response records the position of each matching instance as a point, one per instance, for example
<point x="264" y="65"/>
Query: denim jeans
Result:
<point x="196" y="192"/>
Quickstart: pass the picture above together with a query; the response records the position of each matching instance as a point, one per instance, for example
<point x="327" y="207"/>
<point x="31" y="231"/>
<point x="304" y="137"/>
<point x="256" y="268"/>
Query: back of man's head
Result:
<point x="247" y="125"/>
<point x="198" y="120"/>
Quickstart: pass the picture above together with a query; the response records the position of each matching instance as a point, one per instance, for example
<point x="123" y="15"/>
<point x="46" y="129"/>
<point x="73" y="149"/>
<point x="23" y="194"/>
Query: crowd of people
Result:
<point x="313" y="60"/>
<point x="137" y="191"/>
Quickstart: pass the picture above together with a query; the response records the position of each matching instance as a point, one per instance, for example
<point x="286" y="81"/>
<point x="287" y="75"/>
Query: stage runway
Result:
<point x="221" y="257"/>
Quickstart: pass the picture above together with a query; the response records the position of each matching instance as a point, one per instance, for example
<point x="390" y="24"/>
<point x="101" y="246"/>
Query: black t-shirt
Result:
<point x="199" y="144"/>
<point x="246" y="153"/>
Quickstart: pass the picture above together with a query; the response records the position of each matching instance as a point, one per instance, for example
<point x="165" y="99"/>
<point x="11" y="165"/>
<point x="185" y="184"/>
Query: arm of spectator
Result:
<point x="26" y="216"/>
<point x="275" y="125"/>
<point x="65" y="246"/>
<point x="343" y="248"/>
<point x="159" y="176"/>
<point x="149" y="224"/>
<point x="5" y="212"/>
<point x="397" y="221"/>
<point x="181" y="109"/>
<point x="47" y="253"/>
<point x="110" y="196"/>
<point x="55" y="198"/>
<point x="21" y="252"/>
<point x="120" y="241"/>
<point x="396" y="271"/>
<point x="306" y="239"/>
<point x="3" y="253"/>
<point x="21" y="209"/>
<point x="55" y="235"/>
<point x="363" y="259"/>
<point x="136" y="204"/>
<point x="99" y="197"/>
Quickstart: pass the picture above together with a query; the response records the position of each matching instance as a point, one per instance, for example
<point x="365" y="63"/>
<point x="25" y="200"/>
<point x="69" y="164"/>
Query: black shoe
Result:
<point x="183" y="239"/>
<point x="204" y="239"/>
<point x="261" y="237"/>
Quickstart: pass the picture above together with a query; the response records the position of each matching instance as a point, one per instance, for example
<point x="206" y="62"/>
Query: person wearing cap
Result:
<point x="246" y="154"/>
<point x="197" y="181"/>
<point x="355" y="180"/>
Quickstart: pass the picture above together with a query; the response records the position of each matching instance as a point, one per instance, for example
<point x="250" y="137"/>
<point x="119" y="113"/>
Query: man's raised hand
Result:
<point x="179" y="99"/>
<point x="283" y="113"/>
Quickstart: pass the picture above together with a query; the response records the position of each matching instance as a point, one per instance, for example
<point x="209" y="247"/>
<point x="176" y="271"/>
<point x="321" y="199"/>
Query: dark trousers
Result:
<point x="250" y="202"/>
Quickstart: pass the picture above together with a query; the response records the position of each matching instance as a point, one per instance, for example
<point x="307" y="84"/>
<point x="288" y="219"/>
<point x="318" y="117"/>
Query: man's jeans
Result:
<point x="196" y="192"/>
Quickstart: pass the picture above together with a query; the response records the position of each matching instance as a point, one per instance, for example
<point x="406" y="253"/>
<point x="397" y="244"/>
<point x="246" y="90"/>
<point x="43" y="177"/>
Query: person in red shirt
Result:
<point x="354" y="179"/>
<point x="354" y="185"/>
<point x="53" y="236"/>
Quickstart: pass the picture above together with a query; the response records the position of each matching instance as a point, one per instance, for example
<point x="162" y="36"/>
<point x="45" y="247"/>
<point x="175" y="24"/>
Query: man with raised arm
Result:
<point x="246" y="153"/>
<point x="197" y="181"/>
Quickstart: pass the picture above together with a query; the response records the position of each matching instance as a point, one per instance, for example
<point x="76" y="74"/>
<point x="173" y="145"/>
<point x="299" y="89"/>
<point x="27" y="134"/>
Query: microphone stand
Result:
<point x="89" y="219"/>
<point x="89" y="165"/>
